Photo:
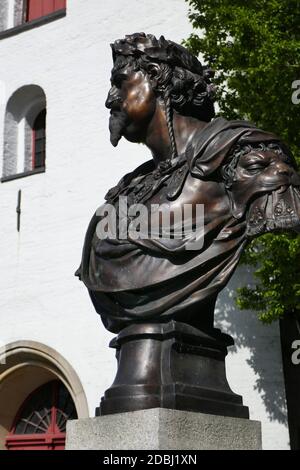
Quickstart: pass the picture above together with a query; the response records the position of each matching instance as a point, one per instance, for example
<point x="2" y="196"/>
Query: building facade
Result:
<point x="56" y="165"/>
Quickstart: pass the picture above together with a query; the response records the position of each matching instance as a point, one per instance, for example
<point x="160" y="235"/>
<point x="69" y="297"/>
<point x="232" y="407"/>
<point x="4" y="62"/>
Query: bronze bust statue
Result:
<point x="159" y="293"/>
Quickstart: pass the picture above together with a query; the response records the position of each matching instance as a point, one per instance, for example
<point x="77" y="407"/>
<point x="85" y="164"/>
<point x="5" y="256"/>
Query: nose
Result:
<point x="113" y="97"/>
<point x="284" y="169"/>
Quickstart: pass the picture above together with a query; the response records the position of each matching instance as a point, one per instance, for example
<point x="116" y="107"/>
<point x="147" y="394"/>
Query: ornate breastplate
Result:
<point x="170" y="174"/>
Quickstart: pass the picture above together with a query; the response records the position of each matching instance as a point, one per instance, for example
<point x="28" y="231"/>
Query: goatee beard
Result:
<point x="117" y="124"/>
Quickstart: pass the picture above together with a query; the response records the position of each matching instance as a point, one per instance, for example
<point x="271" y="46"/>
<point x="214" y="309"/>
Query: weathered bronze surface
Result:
<point x="159" y="294"/>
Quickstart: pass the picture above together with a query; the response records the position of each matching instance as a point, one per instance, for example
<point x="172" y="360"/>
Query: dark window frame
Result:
<point x="39" y="125"/>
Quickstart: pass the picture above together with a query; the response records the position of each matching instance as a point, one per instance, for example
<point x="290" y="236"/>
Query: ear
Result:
<point x="153" y="71"/>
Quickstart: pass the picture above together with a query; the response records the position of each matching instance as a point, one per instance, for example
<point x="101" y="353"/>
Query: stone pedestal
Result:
<point x="163" y="429"/>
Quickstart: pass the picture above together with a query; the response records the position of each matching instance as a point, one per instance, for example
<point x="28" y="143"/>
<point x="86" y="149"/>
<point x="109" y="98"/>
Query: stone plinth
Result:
<point x="163" y="429"/>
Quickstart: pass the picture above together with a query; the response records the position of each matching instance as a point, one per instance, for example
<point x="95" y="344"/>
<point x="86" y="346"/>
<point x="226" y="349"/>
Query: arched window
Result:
<point x="41" y="422"/>
<point x="24" y="133"/>
<point x="39" y="141"/>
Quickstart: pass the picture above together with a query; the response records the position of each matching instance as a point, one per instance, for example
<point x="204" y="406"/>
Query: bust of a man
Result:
<point x="245" y="179"/>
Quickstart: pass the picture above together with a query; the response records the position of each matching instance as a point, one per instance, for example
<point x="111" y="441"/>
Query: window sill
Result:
<point x="4" y="179"/>
<point x="33" y="24"/>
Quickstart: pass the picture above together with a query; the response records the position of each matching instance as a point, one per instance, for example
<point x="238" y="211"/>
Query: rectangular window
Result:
<point x="38" y="8"/>
<point x="39" y="141"/>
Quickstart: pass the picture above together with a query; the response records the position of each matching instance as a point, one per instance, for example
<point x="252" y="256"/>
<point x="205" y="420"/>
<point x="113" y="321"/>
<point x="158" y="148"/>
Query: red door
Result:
<point x="38" y="8"/>
<point x="41" y="422"/>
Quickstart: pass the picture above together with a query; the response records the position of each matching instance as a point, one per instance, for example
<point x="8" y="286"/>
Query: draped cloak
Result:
<point x="157" y="280"/>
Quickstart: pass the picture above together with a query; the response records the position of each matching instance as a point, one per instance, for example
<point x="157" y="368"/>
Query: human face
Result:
<point x="267" y="186"/>
<point x="132" y="102"/>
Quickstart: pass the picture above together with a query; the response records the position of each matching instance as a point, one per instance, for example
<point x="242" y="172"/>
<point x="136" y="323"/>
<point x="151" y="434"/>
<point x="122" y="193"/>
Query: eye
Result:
<point x="119" y="79"/>
<point x="255" y="168"/>
<point x="118" y="82"/>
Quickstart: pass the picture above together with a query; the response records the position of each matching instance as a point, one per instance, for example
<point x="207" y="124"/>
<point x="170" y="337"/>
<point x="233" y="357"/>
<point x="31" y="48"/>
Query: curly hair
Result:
<point x="180" y="79"/>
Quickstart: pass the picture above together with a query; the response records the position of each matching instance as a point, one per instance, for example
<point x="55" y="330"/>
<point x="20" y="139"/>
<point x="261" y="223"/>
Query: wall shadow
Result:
<point x="262" y="343"/>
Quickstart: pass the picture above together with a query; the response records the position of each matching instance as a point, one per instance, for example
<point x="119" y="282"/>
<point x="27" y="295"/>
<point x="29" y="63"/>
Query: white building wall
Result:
<point x="254" y="364"/>
<point x="40" y="299"/>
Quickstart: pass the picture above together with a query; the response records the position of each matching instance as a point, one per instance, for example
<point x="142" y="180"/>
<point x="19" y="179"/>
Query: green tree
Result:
<point x="254" y="46"/>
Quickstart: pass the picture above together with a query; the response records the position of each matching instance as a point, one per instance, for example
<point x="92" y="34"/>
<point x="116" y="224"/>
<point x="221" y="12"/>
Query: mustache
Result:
<point x="275" y="211"/>
<point x="117" y="123"/>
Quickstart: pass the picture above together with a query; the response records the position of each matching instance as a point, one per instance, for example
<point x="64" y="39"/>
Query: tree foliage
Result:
<point x="254" y="46"/>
